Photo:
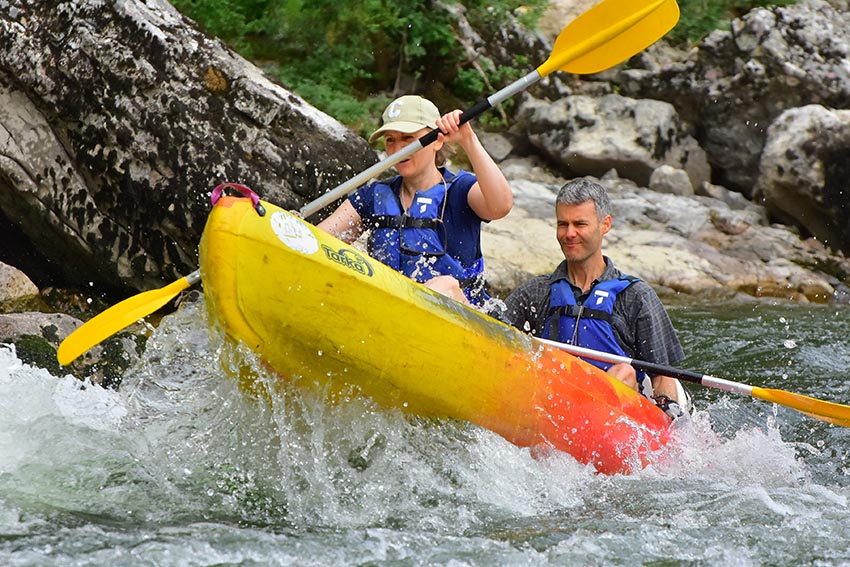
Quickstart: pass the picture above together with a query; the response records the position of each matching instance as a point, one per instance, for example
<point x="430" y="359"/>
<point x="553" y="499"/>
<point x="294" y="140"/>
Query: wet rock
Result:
<point x="37" y="335"/>
<point x="498" y="146"/>
<point x="15" y="286"/>
<point x="804" y="175"/>
<point x="583" y="135"/>
<point x="669" y="179"/>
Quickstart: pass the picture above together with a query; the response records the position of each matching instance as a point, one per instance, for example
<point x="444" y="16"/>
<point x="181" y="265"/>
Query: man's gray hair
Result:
<point x="581" y="190"/>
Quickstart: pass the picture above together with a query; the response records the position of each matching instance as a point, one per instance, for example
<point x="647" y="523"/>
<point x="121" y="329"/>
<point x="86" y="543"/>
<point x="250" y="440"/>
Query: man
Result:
<point x="588" y="302"/>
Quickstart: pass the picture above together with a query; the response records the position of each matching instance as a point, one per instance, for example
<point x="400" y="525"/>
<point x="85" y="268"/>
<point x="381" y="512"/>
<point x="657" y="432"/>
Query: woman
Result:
<point x="426" y="221"/>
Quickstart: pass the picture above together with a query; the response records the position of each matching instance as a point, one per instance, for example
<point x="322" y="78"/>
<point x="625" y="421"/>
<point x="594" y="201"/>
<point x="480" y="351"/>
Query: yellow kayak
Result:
<point x="312" y="306"/>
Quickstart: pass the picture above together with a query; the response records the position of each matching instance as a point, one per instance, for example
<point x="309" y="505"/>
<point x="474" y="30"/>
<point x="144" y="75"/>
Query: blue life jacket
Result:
<point x="414" y="242"/>
<point x="588" y="325"/>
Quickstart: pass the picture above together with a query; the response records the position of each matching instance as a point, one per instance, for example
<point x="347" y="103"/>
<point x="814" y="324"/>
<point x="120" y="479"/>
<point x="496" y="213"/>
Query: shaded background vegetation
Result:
<point x="350" y="57"/>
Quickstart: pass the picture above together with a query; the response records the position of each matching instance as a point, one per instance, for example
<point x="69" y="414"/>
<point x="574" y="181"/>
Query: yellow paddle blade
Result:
<point x="610" y="33"/>
<point x="117" y="317"/>
<point x="819" y="409"/>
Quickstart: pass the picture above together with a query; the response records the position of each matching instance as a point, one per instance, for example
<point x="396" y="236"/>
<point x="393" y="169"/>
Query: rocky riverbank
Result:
<point x="713" y="244"/>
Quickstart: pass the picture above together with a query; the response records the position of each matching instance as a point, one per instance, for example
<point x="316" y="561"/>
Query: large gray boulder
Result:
<point x="118" y="118"/>
<point x="584" y="135"/>
<point x="805" y="175"/>
<point x="735" y="83"/>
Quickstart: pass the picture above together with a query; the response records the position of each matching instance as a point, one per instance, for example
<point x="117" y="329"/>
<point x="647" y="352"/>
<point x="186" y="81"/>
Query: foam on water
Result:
<point x="36" y="407"/>
<point x="302" y="474"/>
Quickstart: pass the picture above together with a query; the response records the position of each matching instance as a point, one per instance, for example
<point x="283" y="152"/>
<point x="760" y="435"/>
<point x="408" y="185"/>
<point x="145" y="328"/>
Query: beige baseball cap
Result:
<point x="408" y="113"/>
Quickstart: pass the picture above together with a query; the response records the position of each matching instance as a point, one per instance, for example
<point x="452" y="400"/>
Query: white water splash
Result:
<point x="35" y="404"/>
<point x="182" y="466"/>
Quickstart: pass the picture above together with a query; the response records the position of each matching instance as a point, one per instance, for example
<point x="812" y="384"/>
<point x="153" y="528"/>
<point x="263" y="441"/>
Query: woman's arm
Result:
<point x="344" y="223"/>
<point x="491" y="197"/>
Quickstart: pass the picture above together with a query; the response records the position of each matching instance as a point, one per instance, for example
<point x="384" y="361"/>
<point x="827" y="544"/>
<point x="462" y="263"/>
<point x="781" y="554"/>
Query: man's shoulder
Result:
<point x="640" y="299"/>
<point x="527" y="305"/>
<point x="637" y="286"/>
<point x="641" y="287"/>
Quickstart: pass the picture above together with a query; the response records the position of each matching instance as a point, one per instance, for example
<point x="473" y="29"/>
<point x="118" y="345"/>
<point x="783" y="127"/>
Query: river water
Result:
<point x="180" y="467"/>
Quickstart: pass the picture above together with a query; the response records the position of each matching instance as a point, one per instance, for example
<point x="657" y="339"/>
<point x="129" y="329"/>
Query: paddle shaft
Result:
<point x="831" y="412"/>
<point x="657" y="369"/>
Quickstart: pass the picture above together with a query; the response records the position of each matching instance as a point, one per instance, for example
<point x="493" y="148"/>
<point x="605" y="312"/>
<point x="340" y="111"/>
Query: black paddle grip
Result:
<point x="467" y="115"/>
<point x="471" y="113"/>
<point x="655" y="369"/>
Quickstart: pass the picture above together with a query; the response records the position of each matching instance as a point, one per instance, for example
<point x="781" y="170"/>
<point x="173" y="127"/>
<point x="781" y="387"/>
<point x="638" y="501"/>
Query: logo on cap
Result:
<point x="395" y="109"/>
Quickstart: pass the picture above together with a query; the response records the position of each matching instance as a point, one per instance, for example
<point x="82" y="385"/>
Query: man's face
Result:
<point x="579" y="231"/>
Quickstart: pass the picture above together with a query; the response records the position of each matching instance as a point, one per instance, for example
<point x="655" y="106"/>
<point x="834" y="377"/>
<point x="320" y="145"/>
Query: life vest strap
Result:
<point x="585" y="312"/>
<point x="403" y="221"/>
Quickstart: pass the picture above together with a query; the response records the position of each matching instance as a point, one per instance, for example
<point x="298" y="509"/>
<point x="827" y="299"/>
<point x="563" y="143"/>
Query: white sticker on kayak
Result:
<point x="294" y="233"/>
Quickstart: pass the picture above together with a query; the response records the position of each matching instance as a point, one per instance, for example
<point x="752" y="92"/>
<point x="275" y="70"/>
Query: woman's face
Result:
<point x="418" y="162"/>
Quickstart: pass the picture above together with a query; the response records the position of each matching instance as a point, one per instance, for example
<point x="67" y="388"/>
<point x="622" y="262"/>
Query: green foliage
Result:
<point x="701" y="17"/>
<point x="233" y="21"/>
<point x="468" y="83"/>
<point x="488" y="15"/>
<point x="350" y="57"/>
